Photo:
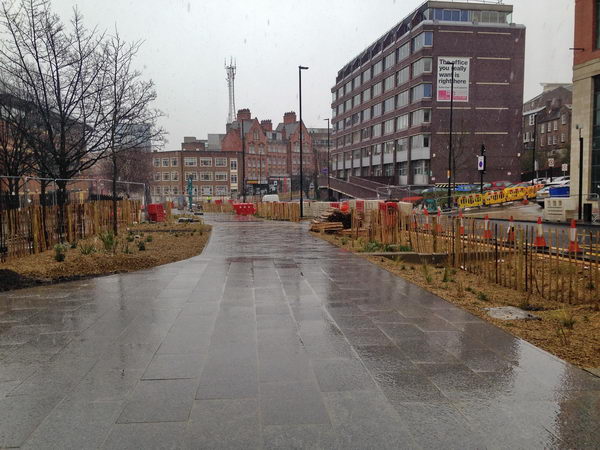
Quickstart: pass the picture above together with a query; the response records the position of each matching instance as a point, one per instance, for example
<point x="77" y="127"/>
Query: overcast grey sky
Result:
<point x="186" y="42"/>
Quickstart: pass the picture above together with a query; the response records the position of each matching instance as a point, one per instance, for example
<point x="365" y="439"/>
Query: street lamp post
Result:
<point x="243" y="162"/>
<point x="328" y="164"/>
<point x="450" y="138"/>
<point x="580" y="199"/>
<point x="300" y="69"/>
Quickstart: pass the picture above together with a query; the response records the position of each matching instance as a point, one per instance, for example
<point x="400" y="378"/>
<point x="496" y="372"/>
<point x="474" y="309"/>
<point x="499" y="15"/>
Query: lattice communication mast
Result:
<point x="230" y="69"/>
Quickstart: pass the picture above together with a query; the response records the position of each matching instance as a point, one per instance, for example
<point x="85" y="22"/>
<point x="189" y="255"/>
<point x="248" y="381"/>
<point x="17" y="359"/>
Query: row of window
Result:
<point x="552" y="140"/>
<point x="419" y="167"/>
<point x="563" y="121"/>
<point x="270" y="149"/>
<point x="553" y="125"/>
<point x="404" y="122"/>
<point x="461" y="15"/>
<point x="424" y="39"/>
<point x="415" y="94"/>
<point x="417" y="142"/>
<point x="423" y="65"/>
<point x="204" y="190"/>
<point x="192" y="161"/>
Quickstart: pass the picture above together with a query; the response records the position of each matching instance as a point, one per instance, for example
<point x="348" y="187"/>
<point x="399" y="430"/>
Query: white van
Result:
<point x="270" y="198"/>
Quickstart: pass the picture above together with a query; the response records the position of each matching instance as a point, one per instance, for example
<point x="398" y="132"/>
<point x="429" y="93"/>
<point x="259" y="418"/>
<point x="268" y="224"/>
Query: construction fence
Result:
<point x="35" y="228"/>
<point x="554" y="263"/>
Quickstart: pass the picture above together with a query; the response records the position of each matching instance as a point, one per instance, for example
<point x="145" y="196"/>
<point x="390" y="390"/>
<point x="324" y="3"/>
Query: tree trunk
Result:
<point x="61" y="196"/>
<point x="114" y="193"/>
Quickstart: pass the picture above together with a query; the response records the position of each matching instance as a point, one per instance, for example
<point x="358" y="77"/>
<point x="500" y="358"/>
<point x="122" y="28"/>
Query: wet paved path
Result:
<point x="274" y="339"/>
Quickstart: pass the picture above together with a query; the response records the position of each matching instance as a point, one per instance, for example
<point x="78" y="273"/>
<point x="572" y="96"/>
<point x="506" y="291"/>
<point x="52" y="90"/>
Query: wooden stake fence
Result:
<point x="34" y="229"/>
<point x="507" y="258"/>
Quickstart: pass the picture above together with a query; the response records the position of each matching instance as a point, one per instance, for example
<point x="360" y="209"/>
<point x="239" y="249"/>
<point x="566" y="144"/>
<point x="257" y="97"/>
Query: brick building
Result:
<point x="391" y="115"/>
<point x="214" y="173"/>
<point x="547" y="130"/>
<point x="586" y="97"/>
<point x="272" y="155"/>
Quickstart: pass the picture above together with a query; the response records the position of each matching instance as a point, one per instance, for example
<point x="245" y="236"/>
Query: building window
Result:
<point x="555" y="125"/>
<point x="220" y="162"/>
<point x="366" y="115"/>
<point x="388" y="84"/>
<point x="377" y="110"/>
<point x="377" y="68"/>
<point x="174" y="162"/>
<point x="174" y="176"/>
<point x="402" y="99"/>
<point x="404" y="52"/>
<point x="206" y="190"/>
<point x="233" y="178"/>
<point x="388" y="126"/>
<point x="157" y="190"/>
<point x="348" y="105"/>
<point x="366" y="133"/>
<point x="562" y="137"/>
<point x="388" y="147"/>
<point x="549" y="127"/>
<point x="402" y="144"/>
<point x="420" y="67"/>
<point x="542" y="128"/>
<point x="424" y="39"/>
<point x="402" y="122"/>
<point x="420" y="92"/>
<point x="206" y="176"/>
<point x="175" y="190"/>
<point x="376" y="132"/>
<point x="366" y="95"/>
<point x="554" y="140"/>
<point x="156" y="176"/>
<point x="220" y="190"/>
<point x="549" y="140"/>
<point x="388" y="105"/>
<point x="156" y="162"/>
<point x="356" y="101"/>
<point x="165" y="162"/>
<point x="190" y="162"/>
<point x="192" y="175"/>
<point x="166" y="176"/>
<point x="220" y="176"/>
<point x="563" y="119"/>
<point x="419" y="117"/>
<point x="356" y="81"/>
<point x="167" y="190"/>
<point x="419" y="141"/>
<point x="531" y="119"/>
<point x="420" y="167"/>
<point x="205" y="162"/>
<point x="389" y="60"/>
<point x="402" y="76"/>
<point x="376" y="90"/>
<point x="366" y="76"/>
<point x="233" y="164"/>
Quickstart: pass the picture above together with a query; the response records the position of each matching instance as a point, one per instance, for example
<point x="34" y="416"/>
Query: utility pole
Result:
<point x="243" y="162"/>
<point x="328" y="164"/>
<point x="580" y="199"/>
<point x="300" y="69"/>
<point x="534" y="136"/>
<point x="450" y="139"/>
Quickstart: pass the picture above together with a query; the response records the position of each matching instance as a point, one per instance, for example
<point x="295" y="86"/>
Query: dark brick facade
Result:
<point x="492" y="116"/>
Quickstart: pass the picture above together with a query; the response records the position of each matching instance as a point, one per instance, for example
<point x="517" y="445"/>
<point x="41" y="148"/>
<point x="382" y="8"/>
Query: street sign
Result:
<point x="481" y="163"/>
<point x="565" y="167"/>
<point x="550" y="162"/>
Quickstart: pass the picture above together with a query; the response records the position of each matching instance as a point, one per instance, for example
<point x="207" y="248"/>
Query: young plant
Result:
<point x="60" y="251"/>
<point x="482" y="296"/>
<point x="109" y="241"/>
<point x="446" y="278"/>
<point x="141" y="246"/>
<point x="87" y="249"/>
<point x="149" y="238"/>
<point x="427" y="273"/>
<point x="74" y="244"/>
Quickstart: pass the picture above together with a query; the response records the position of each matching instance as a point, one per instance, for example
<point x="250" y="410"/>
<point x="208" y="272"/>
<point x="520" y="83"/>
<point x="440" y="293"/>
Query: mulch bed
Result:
<point x="181" y="241"/>
<point x="580" y="345"/>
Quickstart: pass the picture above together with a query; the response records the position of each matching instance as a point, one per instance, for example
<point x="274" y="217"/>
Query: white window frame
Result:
<point x="206" y="162"/>
<point x="190" y="161"/>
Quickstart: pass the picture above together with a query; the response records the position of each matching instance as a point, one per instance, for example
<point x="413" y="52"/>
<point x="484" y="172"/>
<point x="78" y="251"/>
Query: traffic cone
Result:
<point x="540" y="240"/>
<point x="487" y="232"/>
<point x="461" y="221"/>
<point x="426" y="225"/>
<point x="573" y="244"/>
<point x="438" y="227"/>
<point x="525" y="201"/>
<point x="511" y="230"/>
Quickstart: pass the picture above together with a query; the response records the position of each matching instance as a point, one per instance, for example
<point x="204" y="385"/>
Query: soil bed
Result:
<point x="181" y="241"/>
<point x="569" y="332"/>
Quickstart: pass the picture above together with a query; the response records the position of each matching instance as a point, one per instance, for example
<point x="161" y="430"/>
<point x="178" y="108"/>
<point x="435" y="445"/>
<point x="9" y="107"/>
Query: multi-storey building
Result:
<point x="547" y="131"/>
<point x="272" y="156"/>
<point x="586" y="97"/>
<point x="391" y="104"/>
<point x="214" y="173"/>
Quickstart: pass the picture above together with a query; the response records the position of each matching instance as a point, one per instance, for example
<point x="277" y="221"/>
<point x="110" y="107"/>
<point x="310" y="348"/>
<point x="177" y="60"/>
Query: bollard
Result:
<point x="487" y="232"/>
<point x="461" y="222"/>
<point x="540" y="241"/>
<point x="511" y="230"/>
<point x="573" y="244"/>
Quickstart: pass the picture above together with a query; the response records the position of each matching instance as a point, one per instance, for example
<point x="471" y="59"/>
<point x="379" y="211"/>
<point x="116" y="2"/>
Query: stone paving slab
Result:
<point x="274" y="339"/>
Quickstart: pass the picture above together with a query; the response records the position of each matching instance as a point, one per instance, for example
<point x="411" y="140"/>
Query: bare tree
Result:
<point x="131" y="119"/>
<point x="15" y="156"/>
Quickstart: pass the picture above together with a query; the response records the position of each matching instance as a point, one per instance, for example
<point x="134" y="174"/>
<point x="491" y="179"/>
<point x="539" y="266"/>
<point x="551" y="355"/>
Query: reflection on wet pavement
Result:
<point x="274" y="339"/>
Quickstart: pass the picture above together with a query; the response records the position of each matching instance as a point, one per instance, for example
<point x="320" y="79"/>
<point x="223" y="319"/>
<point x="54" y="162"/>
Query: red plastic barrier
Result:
<point x="156" y="212"/>
<point x="244" y="209"/>
<point x="360" y="205"/>
<point x="335" y="205"/>
<point x="345" y="207"/>
<point x="218" y="202"/>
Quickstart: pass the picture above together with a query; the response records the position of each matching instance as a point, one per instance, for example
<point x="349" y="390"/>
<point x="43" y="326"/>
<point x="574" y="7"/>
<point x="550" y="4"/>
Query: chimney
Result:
<point x="266" y="125"/>
<point x="289" y="117"/>
<point x="244" y="114"/>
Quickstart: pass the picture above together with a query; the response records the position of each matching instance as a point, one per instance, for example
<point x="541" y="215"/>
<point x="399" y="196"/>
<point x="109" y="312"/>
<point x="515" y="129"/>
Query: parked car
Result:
<point x="561" y="179"/>
<point x="496" y="185"/>
<point x="270" y="198"/>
